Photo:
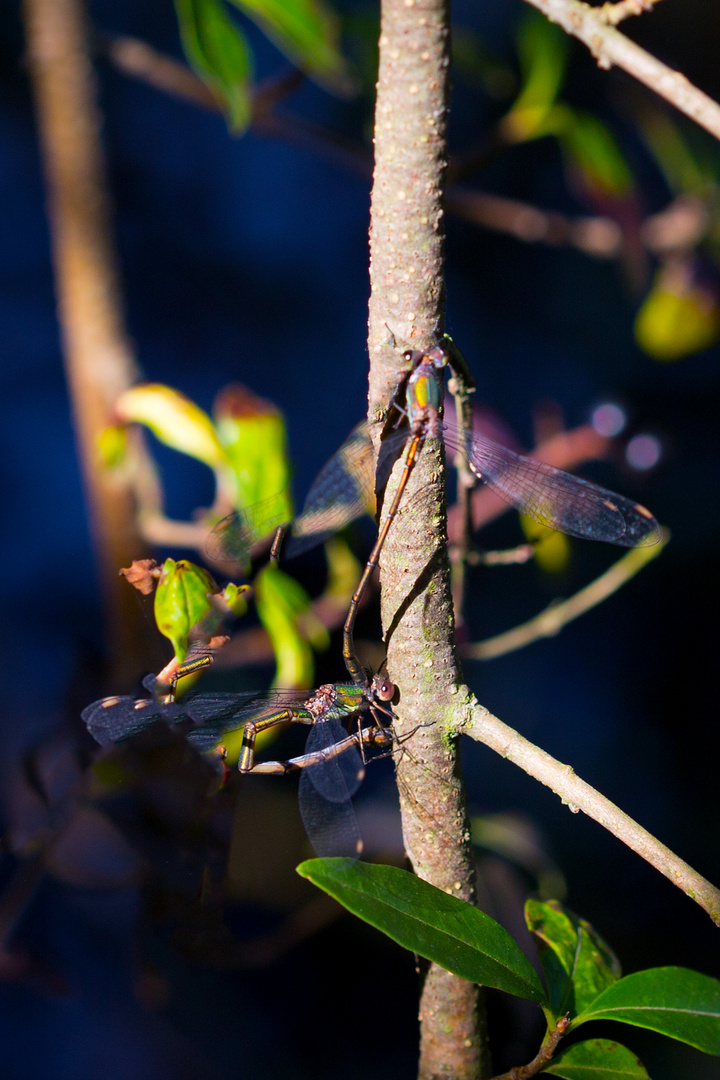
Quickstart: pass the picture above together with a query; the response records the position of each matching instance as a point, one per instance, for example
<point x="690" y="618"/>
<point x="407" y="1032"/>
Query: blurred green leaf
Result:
<point x="542" y="48"/>
<point x="252" y="432"/>
<point x="684" y="170"/>
<point x="307" y="32"/>
<point x="679" y="315"/>
<point x="593" y="154"/>
<point x="280" y="601"/>
<point x="597" y="1059"/>
<point x="216" y="49"/>
<point x="174" y="420"/>
<point x="578" y="964"/>
<point x="234" y="596"/>
<point x="674" y="1001"/>
<point x="429" y="922"/>
<point x="181" y="601"/>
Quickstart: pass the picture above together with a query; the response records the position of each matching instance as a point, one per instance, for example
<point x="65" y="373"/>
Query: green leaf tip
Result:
<point x="673" y="1001"/>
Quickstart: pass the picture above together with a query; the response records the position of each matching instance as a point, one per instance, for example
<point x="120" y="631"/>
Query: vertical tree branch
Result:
<point x="98" y="357"/>
<point x="406" y="239"/>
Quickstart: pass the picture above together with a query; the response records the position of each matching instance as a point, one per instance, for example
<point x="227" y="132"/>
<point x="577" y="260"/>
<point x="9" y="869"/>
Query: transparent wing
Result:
<point x="338" y="776"/>
<point x="343" y="490"/>
<point x="556" y="498"/>
<point x="233" y="538"/>
<point x="325" y="793"/>
<point x="114" y="719"/>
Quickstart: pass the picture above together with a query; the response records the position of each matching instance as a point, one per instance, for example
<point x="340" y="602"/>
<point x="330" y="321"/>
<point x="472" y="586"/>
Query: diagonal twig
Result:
<point x="471" y="718"/>
<point x="610" y="47"/>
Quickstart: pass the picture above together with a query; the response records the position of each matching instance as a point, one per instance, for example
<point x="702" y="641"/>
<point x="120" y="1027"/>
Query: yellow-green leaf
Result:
<point x="235" y="598"/>
<point x="112" y="445"/>
<point x="594" y="156"/>
<point x="552" y="548"/>
<point x="174" y="419"/>
<point x="542" y="49"/>
<point x="678" y="316"/>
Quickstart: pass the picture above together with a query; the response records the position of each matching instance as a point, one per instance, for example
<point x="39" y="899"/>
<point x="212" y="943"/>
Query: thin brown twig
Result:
<point x="610" y="47"/>
<point x="470" y="718"/>
<point x="613" y="14"/>
<point x="550" y="622"/>
<point x="141" y="61"/>
<point x="543" y="1057"/>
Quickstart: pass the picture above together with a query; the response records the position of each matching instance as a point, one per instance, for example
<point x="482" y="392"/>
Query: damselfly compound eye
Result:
<point x="385" y="690"/>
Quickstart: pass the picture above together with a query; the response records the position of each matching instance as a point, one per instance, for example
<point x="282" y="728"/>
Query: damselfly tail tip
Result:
<point x="650" y="531"/>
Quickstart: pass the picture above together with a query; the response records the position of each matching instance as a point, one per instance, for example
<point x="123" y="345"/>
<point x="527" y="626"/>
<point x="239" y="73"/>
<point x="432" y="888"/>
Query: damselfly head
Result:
<point x="383" y="689"/>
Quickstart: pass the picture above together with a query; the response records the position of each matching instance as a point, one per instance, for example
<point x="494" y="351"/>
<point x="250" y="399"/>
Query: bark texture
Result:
<point x="405" y="311"/>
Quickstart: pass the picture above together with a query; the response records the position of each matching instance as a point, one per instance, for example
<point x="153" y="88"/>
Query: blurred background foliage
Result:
<point x="151" y="920"/>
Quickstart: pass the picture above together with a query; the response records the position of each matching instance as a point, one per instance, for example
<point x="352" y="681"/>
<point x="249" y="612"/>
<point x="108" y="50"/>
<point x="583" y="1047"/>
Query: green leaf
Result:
<point x="592" y="152"/>
<point x="174" y="419"/>
<point x="234" y="596"/>
<point x="181" y="601"/>
<point x="542" y="49"/>
<point x="217" y="50"/>
<point x="686" y="172"/>
<point x="675" y="1001"/>
<point x="280" y="601"/>
<point x="306" y="31"/>
<point x="578" y="964"/>
<point x="597" y="1059"/>
<point x="429" y="922"/>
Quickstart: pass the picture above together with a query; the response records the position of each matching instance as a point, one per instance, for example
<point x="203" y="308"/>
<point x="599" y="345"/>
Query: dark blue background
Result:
<point x="247" y="260"/>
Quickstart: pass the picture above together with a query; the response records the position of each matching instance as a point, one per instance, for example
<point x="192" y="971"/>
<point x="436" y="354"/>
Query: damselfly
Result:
<point x="332" y="766"/>
<point x="346" y="485"/>
<point x="553" y="497"/>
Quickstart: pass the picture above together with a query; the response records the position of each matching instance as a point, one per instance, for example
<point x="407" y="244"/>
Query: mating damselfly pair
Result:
<point x="332" y="766"/>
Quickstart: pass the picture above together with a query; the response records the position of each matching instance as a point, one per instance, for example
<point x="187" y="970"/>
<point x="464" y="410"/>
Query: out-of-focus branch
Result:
<point x="470" y="718"/>
<point x="140" y="61"/>
<point x="550" y="622"/>
<point x="98" y="357"/>
<point x="610" y="47"/>
<point x="679" y="227"/>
